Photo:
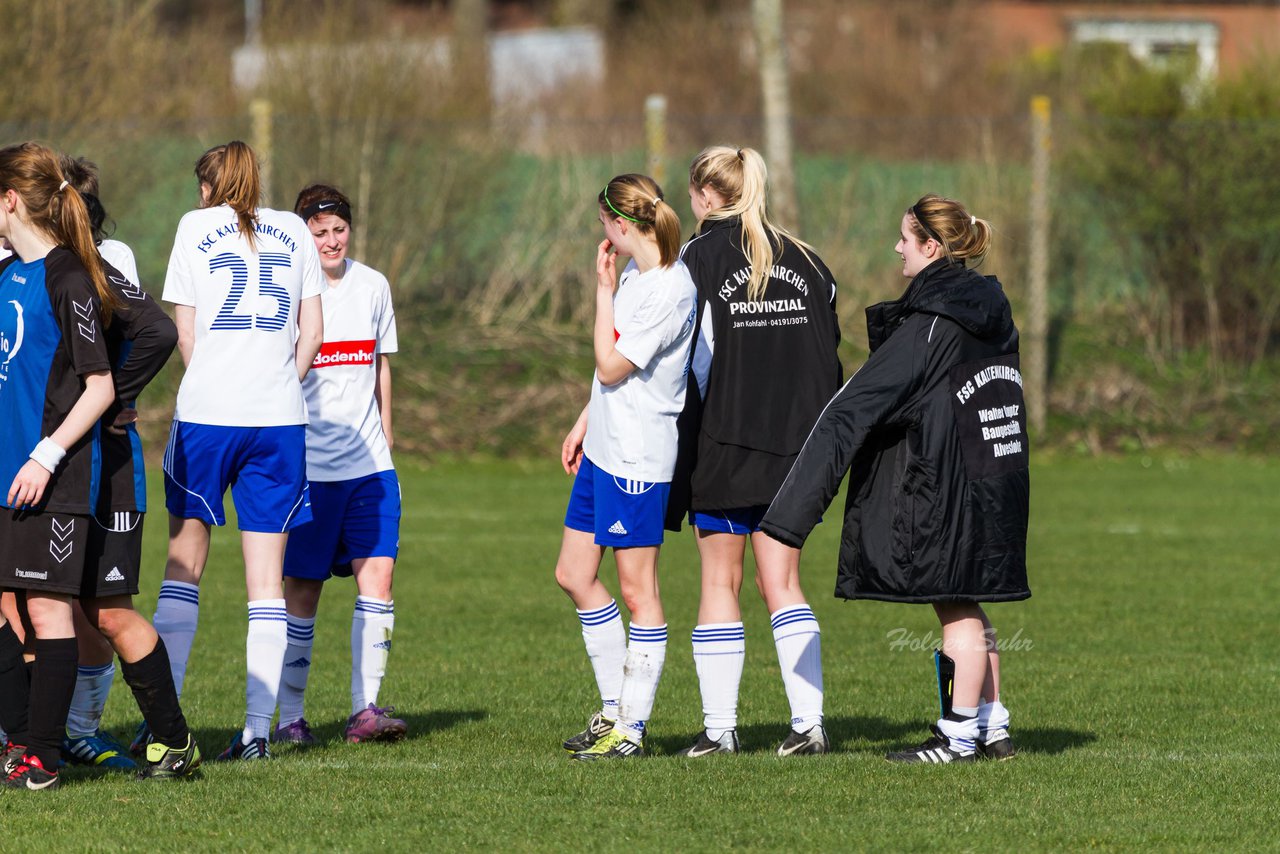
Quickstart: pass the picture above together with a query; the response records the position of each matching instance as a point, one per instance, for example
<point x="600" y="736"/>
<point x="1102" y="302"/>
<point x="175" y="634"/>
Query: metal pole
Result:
<point x="253" y="22"/>
<point x="260" y="117"/>
<point x="1037" y="375"/>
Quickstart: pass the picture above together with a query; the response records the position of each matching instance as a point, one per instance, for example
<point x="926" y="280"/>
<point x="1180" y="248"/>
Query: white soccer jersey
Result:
<point x="120" y="256"/>
<point x="345" y="438"/>
<point x="242" y="371"/>
<point x="631" y="426"/>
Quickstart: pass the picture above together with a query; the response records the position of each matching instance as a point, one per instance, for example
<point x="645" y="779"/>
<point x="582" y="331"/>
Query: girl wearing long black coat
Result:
<point x="933" y="429"/>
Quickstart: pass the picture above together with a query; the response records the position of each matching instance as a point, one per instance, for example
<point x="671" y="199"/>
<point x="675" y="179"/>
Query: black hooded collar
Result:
<point x="976" y="302"/>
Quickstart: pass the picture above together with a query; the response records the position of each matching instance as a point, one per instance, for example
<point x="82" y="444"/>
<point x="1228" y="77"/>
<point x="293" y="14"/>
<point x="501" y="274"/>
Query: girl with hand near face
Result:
<point x="622" y="454"/>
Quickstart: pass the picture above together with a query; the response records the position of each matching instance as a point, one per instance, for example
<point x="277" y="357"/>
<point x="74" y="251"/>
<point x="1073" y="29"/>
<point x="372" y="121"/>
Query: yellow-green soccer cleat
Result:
<point x="171" y="763"/>
<point x="614" y="745"/>
<point x="597" y="728"/>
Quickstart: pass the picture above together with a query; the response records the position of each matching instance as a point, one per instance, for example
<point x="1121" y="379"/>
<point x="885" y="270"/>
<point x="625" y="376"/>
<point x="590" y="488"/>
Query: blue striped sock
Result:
<point x="646" y="655"/>
<point x="265" y="645"/>
<point x="799" y="642"/>
<point x="719" y="650"/>
<point x="176" y="619"/>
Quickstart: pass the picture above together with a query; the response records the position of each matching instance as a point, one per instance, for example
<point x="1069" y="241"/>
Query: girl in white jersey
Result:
<point x="355" y="495"/>
<point x="246" y="285"/>
<point x="623" y="451"/>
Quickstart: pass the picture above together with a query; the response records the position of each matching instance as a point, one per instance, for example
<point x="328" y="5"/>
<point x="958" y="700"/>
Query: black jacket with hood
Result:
<point x="934" y="431"/>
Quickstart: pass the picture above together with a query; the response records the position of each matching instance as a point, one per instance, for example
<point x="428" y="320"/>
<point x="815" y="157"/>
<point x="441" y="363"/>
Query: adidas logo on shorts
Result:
<point x="616" y="528"/>
<point x="114" y="575"/>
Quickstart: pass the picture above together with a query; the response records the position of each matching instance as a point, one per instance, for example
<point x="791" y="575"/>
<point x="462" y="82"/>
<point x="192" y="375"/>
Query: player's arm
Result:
<point x="571" y="449"/>
<point x="29" y="485"/>
<point x="611" y="366"/>
<point x="382" y="394"/>
<point x="184" y="318"/>
<point x="154" y="336"/>
<point x="310" y="333"/>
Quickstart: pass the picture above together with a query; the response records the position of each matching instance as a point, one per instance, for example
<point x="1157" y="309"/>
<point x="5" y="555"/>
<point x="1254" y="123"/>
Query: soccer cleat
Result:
<point x="612" y="745"/>
<point x="705" y="746"/>
<point x="374" y="724"/>
<point x="597" y="728"/>
<point x="171" y="763"/>
<point x="141" y="738"/>
<point x="811" y="742"/>
<point x="29" y="773"/>
<point x="298" y="732"/>
<point x="99" y="750"/>
<point x="255" y="749"/>
<point x="997" y="745"/>
<point x="10" y="757"/>
<point x="935" y="750"/>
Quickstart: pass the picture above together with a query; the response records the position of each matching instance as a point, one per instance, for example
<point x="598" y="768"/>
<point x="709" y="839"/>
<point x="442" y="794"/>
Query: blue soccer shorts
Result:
<point x="621" y="513"/>
<point x="264" y="466"/>
<point x="740" y="520"/>
<point x="350" y="520"/>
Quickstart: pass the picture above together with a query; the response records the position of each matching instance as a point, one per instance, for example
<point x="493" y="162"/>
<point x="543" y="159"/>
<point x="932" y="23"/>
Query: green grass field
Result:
<point x="1142" y="685"/>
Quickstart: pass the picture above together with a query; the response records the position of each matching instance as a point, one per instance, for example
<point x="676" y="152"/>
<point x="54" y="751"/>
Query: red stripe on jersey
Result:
<point x="344" y="353"/>
<point x="616" y="334"/>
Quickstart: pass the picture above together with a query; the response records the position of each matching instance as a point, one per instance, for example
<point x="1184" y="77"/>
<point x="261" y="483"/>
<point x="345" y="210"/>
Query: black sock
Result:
<point x="152" y="684"/>
<point x="53" y="681"/>
<point x="15" y="687"/>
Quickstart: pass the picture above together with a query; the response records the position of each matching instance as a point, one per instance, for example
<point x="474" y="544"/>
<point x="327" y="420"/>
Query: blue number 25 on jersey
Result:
<point x="267" y="261"/>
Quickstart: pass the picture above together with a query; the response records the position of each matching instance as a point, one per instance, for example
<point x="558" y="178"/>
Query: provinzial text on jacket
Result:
<point x="764" y="368"/>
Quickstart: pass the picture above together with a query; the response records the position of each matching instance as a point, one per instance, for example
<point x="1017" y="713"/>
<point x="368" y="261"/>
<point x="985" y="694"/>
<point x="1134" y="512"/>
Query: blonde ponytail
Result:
<point x="740" y="177"/>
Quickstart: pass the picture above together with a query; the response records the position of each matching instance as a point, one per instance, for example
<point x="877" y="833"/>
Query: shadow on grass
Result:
<point x="420" y="725"/>
<point x="875" y="735"/>
<point x="848" y="734"/>
<point x="1050" y="740"/>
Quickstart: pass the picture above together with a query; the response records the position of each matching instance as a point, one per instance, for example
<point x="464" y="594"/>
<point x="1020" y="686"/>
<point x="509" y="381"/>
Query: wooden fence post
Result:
<point x="1037" y="375"/>
<point x="655" y="136"/>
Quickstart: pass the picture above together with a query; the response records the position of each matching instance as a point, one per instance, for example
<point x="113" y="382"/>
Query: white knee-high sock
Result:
<point x="371" y="626"/>
<point x="646" y="654"/>
<point x="177" y="613"/>
<point x="719" y="650"/>
<point x="92" y="686"/>
<point x="799" y="643"/>
<point x="301" y="633"/>
<point x="264" y="656"/>
<point x="993" y="718"/>
<point x="606" y="642"/>
<point x="961" y="728"/>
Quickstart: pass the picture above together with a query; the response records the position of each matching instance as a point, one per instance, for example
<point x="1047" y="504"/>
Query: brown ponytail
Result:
<point x="231" y="172"/>
<point x="56" y="208"/>
<point x="639" y="200"/>
<point x="962" y="236"/>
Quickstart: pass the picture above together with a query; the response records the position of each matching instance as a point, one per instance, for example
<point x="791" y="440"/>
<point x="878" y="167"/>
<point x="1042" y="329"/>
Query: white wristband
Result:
<point x="48" y="454"/>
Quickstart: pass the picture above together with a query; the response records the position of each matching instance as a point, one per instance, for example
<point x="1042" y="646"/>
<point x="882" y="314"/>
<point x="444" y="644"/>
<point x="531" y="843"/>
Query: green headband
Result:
<point x="605" y="193"/>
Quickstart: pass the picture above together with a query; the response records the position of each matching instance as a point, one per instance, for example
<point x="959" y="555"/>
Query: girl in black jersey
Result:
<point x="765" y="362"/>
<point x="139" y="342"/>
<point x="55" y="383"/>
